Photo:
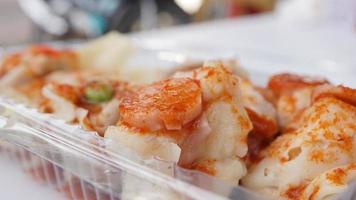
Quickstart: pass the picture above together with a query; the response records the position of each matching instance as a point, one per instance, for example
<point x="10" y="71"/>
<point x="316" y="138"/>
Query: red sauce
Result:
<point x="286" y="83"/>
<point x="337" y="176"/>
<point x="262" y="126"/>
<point x="346" y="94"/>
<point x="47" y="51"/>
<point x="9" y="63"/>
<point x="295" y="192"/>
<point x="206" y="166"/>
<point x="264" y="130"/>
<point x="68" y="92"/>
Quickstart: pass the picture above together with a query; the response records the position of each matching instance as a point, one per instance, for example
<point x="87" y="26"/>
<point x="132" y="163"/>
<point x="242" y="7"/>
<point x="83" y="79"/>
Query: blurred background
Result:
<point x="41" y="20"/>
<point x="36" y="20"/>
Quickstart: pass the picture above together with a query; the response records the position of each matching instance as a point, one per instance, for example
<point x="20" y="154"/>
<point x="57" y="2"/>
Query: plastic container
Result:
<point x="77" y="163"/>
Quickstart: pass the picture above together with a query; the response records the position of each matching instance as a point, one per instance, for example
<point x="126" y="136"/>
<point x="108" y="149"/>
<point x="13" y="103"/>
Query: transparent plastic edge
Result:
<point x="41" y="133"/>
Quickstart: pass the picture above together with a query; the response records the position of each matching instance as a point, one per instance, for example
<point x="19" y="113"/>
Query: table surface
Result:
<point x="332" y="47"/>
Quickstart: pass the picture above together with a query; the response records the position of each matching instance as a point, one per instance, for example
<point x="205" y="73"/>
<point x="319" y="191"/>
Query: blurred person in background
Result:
<point x="41" y="20"/>
<point x="67" y="19"/>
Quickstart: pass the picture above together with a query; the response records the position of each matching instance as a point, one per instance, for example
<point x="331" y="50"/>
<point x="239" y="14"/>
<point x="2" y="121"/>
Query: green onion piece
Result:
<point x="98" y="93"/>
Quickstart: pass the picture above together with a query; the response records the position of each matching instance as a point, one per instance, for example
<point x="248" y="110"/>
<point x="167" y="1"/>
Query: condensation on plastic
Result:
<point x="77" y="163"/>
